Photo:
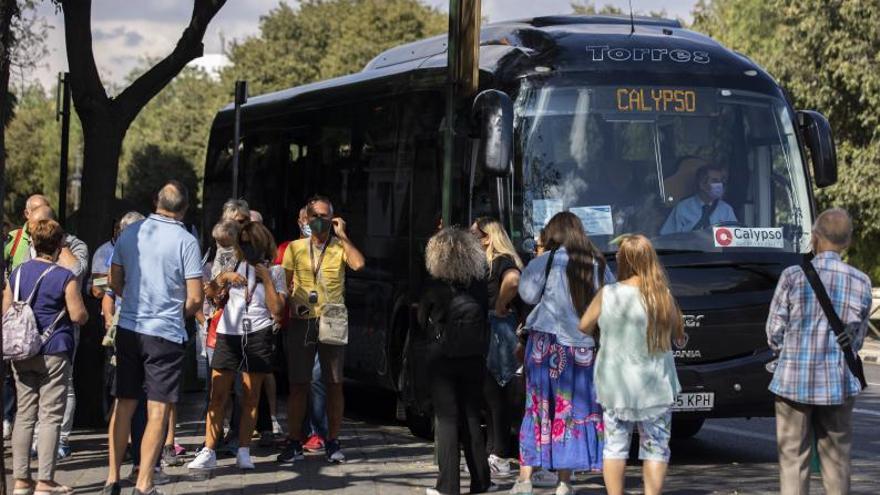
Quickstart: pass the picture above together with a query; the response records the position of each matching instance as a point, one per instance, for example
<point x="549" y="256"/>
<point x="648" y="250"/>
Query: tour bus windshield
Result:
<point x="692" y="168"/>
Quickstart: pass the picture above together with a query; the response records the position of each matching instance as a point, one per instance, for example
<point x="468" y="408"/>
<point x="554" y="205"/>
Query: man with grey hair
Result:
<point x="315" y="266"/>
<point x="814" y="387"/>
<point x="156" y="268"/>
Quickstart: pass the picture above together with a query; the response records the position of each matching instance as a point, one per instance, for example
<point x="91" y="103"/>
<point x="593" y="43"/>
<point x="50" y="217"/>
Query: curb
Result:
<point x="870" y="354"/>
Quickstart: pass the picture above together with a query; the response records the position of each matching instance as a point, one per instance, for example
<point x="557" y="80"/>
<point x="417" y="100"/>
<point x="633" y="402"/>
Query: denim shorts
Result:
<point x="654" y="436"/>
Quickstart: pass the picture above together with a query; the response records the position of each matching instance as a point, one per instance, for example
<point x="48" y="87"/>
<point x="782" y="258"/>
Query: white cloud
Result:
<point x="126" y="32"/>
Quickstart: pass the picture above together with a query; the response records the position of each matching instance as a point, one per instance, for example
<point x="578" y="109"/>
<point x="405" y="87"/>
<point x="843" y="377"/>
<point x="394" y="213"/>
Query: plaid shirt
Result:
<point x="812" y="368"/>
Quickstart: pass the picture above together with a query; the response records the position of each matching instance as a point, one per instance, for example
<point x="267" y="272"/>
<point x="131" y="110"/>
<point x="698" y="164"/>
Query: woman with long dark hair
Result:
<point x="562" y="421"/>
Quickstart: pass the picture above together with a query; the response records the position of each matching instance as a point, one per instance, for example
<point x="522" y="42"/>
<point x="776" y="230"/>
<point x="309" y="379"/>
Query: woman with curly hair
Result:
<point x="453" y="312"/>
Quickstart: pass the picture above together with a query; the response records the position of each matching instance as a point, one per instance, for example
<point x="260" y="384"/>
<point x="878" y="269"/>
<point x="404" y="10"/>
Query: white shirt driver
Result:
<point x="237" y="308"/>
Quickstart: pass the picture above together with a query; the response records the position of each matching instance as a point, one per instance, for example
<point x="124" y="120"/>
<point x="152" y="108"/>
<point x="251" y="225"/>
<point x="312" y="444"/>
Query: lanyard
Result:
<point x="316" y="269"/>
<point x="248" y="293"/>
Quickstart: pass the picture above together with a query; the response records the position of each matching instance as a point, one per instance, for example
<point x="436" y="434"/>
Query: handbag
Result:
<point x="853" y="361"/>
<point x="333" y="324"/>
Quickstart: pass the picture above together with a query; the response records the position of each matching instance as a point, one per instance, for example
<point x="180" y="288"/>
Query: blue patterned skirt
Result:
<point x="562" y="423"/>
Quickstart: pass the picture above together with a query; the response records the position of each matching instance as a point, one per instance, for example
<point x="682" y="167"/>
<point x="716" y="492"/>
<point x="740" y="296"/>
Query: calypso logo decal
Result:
<point x="730" y="237"/>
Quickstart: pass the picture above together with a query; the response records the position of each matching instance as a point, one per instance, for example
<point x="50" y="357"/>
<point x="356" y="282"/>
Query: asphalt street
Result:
<point x="739" y="455"/>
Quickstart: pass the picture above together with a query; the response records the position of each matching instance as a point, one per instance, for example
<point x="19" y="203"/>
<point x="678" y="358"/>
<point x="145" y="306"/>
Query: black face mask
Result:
<point x="320" y="225"/>
<point x="251" y="255"/>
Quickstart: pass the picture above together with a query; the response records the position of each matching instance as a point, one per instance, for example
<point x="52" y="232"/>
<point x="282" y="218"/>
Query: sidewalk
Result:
<point x="381" y="459"/>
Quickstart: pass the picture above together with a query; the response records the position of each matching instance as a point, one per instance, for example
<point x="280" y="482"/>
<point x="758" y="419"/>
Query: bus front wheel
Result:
<point x="686" y="428"/>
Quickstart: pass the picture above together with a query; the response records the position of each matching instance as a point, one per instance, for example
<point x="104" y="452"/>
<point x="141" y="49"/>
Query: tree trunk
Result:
<point x="8" y="9"/>
<point x="102" y="144"/>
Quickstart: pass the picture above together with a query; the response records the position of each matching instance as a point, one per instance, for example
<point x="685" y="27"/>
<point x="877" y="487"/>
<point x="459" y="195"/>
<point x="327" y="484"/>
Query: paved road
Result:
<point x="726" y="457"/>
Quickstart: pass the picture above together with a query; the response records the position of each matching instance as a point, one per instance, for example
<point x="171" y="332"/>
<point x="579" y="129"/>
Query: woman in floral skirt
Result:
<point x="562" y="424"/>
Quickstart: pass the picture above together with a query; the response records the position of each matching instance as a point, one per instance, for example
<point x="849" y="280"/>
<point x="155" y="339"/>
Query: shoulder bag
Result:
<point x="333" y="321"/>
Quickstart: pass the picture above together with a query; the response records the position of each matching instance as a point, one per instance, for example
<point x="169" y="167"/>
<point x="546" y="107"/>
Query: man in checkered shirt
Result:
<point x="815" y="391"/>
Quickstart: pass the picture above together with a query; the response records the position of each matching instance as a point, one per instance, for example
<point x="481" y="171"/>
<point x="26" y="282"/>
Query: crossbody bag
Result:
<point x="333" y="322"/>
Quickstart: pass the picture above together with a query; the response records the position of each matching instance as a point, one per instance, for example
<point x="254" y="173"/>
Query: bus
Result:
<point x="612" y="118"/>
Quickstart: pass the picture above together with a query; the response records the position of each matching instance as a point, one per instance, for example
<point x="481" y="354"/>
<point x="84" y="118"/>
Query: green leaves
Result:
<point x="826" y="54"/>
<point x="322" y="39"/>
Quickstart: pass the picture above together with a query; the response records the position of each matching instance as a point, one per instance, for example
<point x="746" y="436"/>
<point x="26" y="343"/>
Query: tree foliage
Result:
<point x="33" y="142"/>
<point x="588" y="7"/>
<point x="320" y="39"/>
<point x="826" y="54"/>
<point x="177" y="121"/>
<point x="150" y="168"/>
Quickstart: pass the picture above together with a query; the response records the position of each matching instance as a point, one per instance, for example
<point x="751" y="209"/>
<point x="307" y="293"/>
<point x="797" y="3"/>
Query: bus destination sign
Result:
<point x="655" y="100"/>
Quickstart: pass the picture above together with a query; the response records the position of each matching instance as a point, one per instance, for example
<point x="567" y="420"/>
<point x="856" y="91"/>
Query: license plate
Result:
<point x="694" y="401"/>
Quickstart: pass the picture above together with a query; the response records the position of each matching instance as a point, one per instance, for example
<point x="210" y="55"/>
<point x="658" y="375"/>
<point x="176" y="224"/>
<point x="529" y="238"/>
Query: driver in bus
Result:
<point x="705" y="208"/>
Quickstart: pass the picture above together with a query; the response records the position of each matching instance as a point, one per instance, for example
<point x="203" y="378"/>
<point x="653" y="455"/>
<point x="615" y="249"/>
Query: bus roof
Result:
<point x="512" y="49"/>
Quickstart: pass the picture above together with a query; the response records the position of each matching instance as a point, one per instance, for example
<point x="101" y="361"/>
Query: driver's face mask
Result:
<point x="716" y="190"/>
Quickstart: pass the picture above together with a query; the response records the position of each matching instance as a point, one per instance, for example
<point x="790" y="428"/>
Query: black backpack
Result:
<point x="460" y="326"/>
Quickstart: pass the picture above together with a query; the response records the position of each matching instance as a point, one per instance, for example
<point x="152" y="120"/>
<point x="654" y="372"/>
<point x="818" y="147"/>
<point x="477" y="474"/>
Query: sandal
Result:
<point x="55" y="490"/>
<point x="29" y="490"/>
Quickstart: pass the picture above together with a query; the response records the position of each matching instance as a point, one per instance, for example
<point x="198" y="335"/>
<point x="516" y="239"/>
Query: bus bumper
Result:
<point x="739" y="386"/>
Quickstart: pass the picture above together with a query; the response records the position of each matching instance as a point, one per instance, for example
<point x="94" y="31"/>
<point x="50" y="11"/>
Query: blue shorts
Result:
<point x="654" y="436"/>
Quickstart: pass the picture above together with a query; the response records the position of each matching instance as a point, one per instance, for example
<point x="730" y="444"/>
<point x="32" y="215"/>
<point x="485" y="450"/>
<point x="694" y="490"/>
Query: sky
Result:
<point x="126" y="32"/>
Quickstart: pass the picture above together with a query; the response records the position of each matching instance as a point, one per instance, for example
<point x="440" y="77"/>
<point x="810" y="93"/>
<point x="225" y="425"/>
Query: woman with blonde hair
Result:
<point x="505" y="266"/>
<point x="636" y="383"/>
<point x="453" y="313"/>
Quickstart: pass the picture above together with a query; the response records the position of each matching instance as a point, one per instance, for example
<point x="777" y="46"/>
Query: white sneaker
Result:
<point x="545" y="479"/>
<point x="564" y="489"/>
<point x="205" y="459"/>
<point x="7" y="429"/>
<point x="521" y="488"/>
<point x="499" y="466"/>
<point x="432" y="491"/>
<point x="243" y="458"/>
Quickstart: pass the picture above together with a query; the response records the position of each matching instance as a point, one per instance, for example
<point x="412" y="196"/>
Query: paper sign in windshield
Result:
<point x="733" y="237"/>
<point x="542" y="211"/>
<point x="596" y="219"/>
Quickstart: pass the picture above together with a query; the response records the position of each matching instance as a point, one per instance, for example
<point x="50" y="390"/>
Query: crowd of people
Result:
<point x="263" y="306"/>
<point x="582" y="400"/>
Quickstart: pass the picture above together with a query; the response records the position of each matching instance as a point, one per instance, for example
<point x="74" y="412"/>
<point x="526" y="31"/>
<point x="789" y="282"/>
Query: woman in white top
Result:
<point x="635" y="374"/>
<point x="244" y="339"/>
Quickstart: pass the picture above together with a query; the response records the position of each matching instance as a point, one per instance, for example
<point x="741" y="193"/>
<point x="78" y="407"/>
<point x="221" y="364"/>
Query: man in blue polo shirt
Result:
<point x="156" y="267"/>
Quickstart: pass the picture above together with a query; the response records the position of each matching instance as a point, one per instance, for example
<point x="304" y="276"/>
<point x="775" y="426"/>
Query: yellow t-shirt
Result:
<point x="298" y="262"/>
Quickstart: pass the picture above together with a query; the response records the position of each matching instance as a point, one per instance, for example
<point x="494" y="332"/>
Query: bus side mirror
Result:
<point x="493" y="119"/>
<point x="817" y="135"/>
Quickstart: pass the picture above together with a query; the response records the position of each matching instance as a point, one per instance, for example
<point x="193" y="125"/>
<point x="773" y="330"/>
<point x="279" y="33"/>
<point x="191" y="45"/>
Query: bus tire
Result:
<point x="686" y="428"/>
<point x="420" y="425"/>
